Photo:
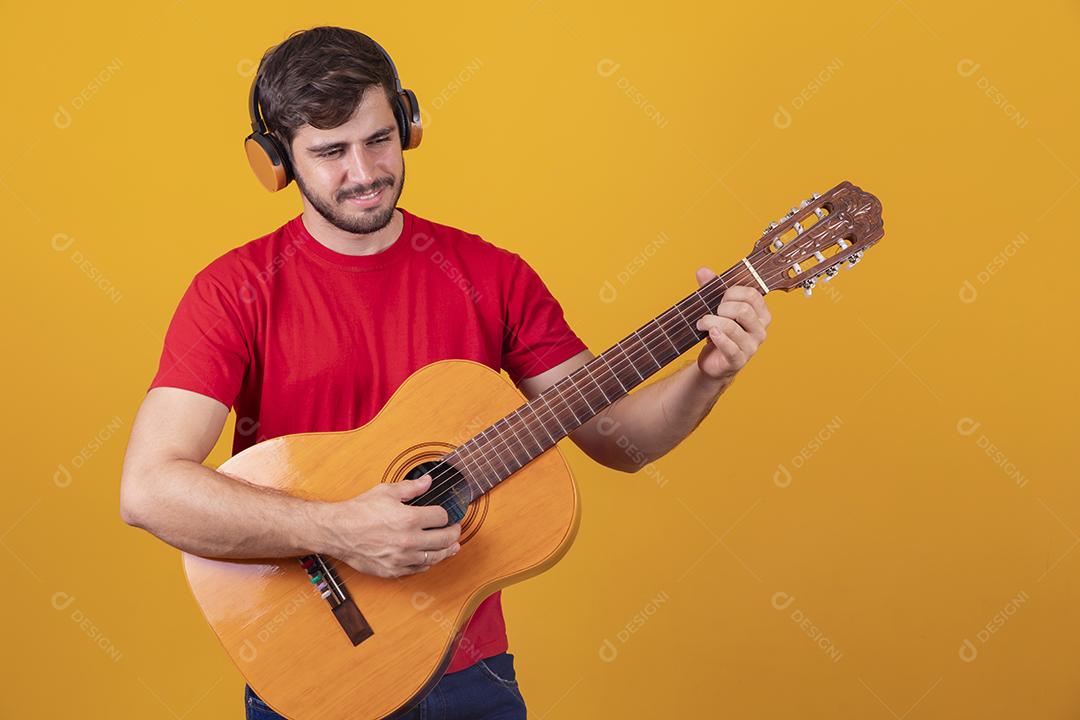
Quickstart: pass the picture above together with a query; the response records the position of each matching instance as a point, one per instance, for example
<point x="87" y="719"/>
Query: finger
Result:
<point x="704" y="275"/>
<point x="708" y="322"/>
<point x="752" y="296"/>
<point x="439" y="539"/>
<point x="741" y="292"/>
<point x="727" y="347"/>
<point x="427" y="558"/>
<point x="724" y="327"/>
<point x="409" y="489"/>
<point x="728" y="325"/>
<point x="422" y="517"/>
<point x="743" y="314"/>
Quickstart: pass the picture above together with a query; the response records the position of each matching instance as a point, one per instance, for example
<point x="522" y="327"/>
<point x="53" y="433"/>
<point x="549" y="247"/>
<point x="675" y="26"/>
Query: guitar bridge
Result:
<point x="331" y="588"/>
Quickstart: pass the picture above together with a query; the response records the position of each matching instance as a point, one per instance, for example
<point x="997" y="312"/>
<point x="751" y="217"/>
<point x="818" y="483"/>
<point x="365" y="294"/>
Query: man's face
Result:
<point x="362" y="157"/>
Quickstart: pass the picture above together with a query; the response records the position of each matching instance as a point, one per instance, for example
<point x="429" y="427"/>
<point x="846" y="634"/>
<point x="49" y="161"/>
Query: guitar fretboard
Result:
<point x="513" y="441"/>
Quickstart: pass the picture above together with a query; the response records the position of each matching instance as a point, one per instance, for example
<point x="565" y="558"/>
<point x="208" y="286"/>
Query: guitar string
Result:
<point x="501" y="436"/>
<point x="738" y="274"/>
<point x="546" y="413"/>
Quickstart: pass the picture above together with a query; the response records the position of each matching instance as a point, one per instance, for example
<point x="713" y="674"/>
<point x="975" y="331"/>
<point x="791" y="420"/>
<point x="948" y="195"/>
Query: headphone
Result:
<point x="268" y="158"/>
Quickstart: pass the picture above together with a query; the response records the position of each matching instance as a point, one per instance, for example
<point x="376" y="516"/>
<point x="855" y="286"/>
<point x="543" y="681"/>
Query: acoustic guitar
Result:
<point x="316" y="639"/>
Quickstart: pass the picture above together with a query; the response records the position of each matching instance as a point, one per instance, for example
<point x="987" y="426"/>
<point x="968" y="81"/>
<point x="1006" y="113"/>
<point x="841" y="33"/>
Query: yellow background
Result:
<point x="920" y="559"/>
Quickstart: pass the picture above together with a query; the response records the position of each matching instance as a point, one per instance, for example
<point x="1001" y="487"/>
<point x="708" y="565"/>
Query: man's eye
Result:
<point x="381" y="140"/>
<point x="330" y="153"/>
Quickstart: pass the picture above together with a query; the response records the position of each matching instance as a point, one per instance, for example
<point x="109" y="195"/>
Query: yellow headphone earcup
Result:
<point x="266" y="162"/>
<point x="410" y="108"/>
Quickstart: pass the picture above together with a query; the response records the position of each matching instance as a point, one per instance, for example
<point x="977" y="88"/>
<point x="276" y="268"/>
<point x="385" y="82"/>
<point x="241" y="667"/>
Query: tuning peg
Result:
<point x="808" y="286"/>
<point x="798" y="229"/>
<point x="855" y="257"/>
<point x="792" y="212"/>
<point x="829" y="274"/>
<point x="772" y="226"/>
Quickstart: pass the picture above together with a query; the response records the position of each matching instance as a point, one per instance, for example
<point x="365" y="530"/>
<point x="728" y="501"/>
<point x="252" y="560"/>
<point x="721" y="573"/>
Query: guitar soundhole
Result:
<point x="448" y="490"/>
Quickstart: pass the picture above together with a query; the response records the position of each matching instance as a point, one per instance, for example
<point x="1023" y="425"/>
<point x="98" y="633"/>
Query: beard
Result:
<point x="366" y="220"/>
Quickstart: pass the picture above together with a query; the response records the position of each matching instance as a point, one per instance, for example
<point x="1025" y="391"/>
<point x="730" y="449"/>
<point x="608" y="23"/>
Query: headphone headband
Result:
<point x="257" y="124"/>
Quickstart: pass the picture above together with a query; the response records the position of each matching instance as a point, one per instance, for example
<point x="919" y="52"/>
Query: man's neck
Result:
<point x="348" y="243"/>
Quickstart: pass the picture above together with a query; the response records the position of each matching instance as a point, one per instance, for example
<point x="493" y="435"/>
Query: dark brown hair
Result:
<point x="317" y="77"/>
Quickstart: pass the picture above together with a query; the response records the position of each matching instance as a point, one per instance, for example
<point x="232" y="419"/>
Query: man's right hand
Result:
<point x="378" y="534"/>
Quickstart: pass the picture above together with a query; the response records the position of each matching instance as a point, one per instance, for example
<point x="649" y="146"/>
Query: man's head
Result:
<point x="327" y="94"/>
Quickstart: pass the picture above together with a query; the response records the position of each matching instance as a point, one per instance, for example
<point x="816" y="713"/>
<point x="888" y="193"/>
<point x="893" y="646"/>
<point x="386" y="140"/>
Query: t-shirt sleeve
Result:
<point x="206" y="349"/>
<point x="536" y="336"/>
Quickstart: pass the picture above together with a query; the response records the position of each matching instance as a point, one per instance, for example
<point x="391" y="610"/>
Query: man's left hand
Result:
<point x="736" y="330"/>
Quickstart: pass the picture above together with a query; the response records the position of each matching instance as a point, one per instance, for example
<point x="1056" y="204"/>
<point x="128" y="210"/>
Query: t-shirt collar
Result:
<point x="298" y="231"/>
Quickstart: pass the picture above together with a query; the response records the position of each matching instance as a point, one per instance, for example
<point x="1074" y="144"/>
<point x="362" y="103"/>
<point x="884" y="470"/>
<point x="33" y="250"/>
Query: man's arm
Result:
<point x="167" y="491"/>
<point x="649" y="422"/>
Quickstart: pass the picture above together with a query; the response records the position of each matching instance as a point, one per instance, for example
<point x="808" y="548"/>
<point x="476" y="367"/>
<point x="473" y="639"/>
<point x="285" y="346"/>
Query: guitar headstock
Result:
<point x="815" y="238"/>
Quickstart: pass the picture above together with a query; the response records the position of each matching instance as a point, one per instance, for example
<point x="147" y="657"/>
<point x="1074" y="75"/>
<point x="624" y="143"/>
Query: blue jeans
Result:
<point x="487" y="689"/>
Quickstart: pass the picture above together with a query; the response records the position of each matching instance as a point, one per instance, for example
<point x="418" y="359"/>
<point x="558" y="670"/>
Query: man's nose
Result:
<point x="361" y="167"/>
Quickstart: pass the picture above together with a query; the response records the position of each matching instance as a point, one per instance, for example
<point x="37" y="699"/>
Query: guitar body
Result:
<point x="282" y="634"/>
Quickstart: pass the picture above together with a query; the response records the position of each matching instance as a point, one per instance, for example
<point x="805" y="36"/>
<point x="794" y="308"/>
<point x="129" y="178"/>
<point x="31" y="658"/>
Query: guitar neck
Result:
<point x="509" y="444"/>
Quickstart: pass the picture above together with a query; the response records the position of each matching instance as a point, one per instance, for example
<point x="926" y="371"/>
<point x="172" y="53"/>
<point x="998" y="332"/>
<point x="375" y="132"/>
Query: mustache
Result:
<point x="356" y="192"/>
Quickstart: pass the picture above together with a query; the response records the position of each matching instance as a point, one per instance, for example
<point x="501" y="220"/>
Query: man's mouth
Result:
<point x="367" y="199"/>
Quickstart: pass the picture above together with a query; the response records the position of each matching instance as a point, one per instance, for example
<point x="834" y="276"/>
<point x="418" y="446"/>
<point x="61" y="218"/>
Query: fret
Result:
<point x="617" y="369"/>
<point x="587" y="403"/>
<point x="535" y="414"/>
<point x="455" y="460"/>
<point x="490" y="480"/>
<point x="526" y="439"/>
<point x="607" y="365"/>
<point x="524" y="421"/>
<point x="520" y="465"/>
<point x="613" y="373"/>
<point x="541" y="396"/>
<point x="480" y="479"/>
<point x="483" y="449"/>
<point x="558" y="391"/>
<point x="693" y="330"/>
<point x="709" y="309"/>
<point x="483" y="456"/>
<point x="507" y="443"/>
<point x="714" y="291"/>
<point x="498" y="455"/>
<point x="468" y="471"/>
<point x="677" y="333"/>
<point x="677" y="353"/>
<point x="631" y="362"/>
<point x="494" y="438"/>
<point x="643" y="344"/>
<point x="589" y="375"/>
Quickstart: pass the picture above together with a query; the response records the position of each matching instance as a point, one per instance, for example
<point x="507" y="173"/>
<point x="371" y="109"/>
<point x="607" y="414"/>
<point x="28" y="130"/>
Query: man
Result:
<point x="312" y="327"/>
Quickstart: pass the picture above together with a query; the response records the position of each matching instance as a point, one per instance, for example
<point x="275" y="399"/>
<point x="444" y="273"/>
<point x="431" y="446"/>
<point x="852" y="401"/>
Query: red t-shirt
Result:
<point x="300" y="338"/>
